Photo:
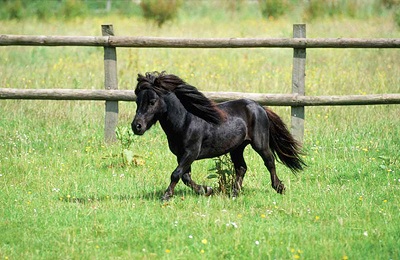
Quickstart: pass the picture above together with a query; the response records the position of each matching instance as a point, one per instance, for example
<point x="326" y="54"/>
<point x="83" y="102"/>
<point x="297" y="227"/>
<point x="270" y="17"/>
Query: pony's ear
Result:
<point x="140" y="77"/>
<point x="157" y="82"/>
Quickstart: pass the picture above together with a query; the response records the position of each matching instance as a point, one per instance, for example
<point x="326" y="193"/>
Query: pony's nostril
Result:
<point x="138" y="126"/>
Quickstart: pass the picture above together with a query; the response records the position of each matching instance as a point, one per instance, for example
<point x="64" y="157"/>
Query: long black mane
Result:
<point x="192" y="99"/>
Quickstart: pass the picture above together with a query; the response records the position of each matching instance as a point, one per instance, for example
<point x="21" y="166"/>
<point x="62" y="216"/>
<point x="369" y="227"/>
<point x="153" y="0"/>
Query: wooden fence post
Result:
<point x="298" y="83"/>
<point x="110" y="83"/>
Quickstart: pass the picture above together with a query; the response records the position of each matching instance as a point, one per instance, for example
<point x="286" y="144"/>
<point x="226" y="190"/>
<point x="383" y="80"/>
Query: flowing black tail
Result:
<point x="284" y="147"/>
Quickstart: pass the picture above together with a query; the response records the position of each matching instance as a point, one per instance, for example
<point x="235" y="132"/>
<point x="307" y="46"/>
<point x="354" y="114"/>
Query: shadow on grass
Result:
<point x="180" y="194"/>
<point x="150" y="196"/>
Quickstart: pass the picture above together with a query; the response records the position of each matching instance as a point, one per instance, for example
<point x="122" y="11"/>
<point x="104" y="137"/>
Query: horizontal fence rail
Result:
<point x="162" y="42"/>
<point x="264" y="99"/>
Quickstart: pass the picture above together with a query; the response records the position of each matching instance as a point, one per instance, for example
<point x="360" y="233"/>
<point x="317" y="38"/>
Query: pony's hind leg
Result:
<point x="269" y="162"/>
<point x="275" y="181"/>
<point x="240" y="169"/>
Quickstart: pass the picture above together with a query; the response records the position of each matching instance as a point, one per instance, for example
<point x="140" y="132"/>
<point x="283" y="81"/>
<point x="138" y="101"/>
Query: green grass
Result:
<point x="65" y="194"/>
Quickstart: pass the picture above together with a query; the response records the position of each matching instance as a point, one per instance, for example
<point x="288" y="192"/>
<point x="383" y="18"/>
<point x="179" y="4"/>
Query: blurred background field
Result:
<point x="65" y="194"/>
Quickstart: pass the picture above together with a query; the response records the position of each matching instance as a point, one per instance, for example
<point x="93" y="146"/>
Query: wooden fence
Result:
<point x="297" y="100"/>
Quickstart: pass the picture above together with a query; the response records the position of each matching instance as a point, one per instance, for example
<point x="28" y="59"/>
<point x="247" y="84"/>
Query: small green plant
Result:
<point x="386" y="163"/>
<point x="12" y="9"/>
<point x="225" y="173"/>
<point x="273" y="8"/>
<point x="160" y="11"/>
<point x="72" y="8"/>
<point x="126" y="138"/>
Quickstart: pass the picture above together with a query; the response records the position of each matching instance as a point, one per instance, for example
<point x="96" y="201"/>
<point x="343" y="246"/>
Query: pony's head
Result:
<point x="150" y="104"/>
<point x="151" y="90"/>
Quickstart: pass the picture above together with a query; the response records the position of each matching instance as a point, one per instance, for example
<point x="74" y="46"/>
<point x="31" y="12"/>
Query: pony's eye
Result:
<point x="152" y="102"/>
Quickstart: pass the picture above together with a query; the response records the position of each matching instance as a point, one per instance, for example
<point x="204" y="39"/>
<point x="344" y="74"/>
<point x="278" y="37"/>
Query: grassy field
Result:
<point x="67" y="195"/>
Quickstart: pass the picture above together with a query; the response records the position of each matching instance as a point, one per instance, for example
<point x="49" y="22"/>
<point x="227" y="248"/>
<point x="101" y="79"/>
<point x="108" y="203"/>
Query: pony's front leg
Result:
<point x="183" y="172"/>
<point x="199" y="189"/>
<point x="184" y="163"/>
<point x="169" y="192"/>
<point x="175" y="176"/>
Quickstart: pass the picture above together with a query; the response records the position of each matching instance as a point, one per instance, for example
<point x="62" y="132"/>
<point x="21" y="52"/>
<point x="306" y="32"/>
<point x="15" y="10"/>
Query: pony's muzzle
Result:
<point x="138" y="127"/>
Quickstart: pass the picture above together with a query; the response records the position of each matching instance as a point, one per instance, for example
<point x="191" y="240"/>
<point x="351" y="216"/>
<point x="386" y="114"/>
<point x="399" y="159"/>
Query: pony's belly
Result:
<point x="223" y="141"/>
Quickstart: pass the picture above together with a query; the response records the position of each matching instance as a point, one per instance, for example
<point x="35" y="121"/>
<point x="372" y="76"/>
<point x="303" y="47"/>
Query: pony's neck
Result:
<point x="174" y="118"/>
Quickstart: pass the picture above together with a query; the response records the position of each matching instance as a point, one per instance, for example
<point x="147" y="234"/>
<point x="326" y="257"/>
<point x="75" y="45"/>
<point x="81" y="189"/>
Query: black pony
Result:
<point x="197" y="128"/>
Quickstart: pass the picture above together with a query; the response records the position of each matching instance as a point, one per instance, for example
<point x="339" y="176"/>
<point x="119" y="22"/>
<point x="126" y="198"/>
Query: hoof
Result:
<point x="280" y="189"/>
<point x="205" y="190"/>
<point x="235" y="193"/>
<point x="208" y="191"/>
<point x="166" y="197"/>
